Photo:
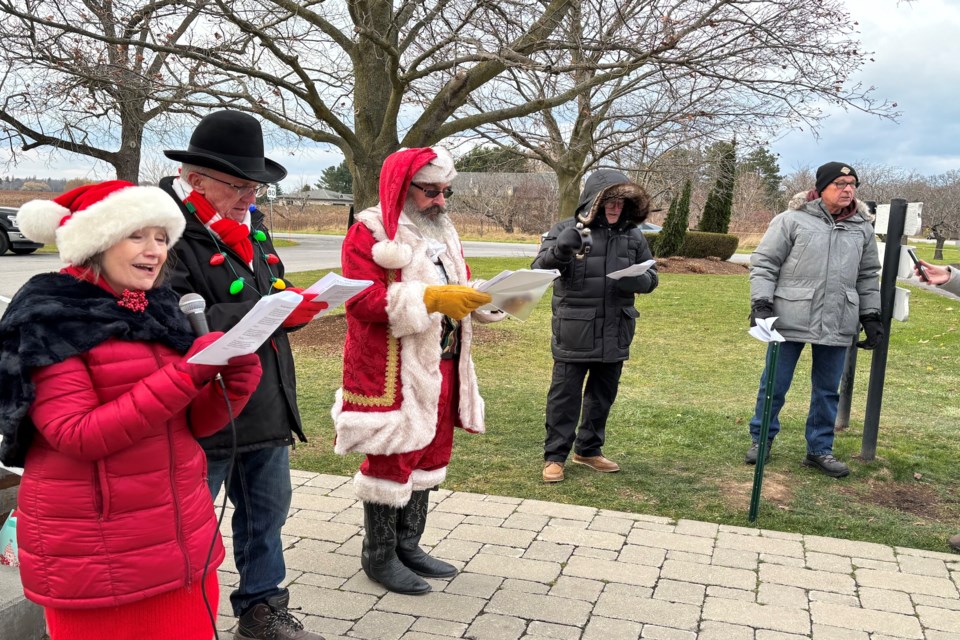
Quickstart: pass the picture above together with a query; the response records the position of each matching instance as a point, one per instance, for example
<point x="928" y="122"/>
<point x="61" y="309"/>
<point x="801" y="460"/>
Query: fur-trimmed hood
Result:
<point x="797" y="202"/>
<point x="606" y="184"/>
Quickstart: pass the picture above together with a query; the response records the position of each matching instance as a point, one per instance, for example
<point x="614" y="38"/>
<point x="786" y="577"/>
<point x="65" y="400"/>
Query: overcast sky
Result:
<point x="917" y="51"/>
<point x="916" y="47"/>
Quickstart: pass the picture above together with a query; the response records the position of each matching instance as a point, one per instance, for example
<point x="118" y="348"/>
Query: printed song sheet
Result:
<point x="335" y="290"/>
<point x="516" y="293"/>
<point x="764" y="331"/>
<point x="632" y="270"/>
<point x="252" y="330"/>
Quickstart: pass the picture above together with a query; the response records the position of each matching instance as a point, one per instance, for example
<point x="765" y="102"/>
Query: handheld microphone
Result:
<point x="193" y="305"/>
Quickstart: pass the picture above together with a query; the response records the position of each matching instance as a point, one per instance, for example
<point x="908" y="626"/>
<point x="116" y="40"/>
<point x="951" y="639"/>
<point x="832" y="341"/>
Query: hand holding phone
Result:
<point x="918" y="265"/>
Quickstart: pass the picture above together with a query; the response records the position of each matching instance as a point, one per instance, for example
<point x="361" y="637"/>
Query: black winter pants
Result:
<point x="567" y="393"/>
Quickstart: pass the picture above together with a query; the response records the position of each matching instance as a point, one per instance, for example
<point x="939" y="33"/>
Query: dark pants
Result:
<point x="260" y="492"/>
<point x="568" y="401"/>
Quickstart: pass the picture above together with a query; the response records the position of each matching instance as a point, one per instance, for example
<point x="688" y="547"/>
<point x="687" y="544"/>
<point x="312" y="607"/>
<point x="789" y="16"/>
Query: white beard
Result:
<point x="432" y="226"/>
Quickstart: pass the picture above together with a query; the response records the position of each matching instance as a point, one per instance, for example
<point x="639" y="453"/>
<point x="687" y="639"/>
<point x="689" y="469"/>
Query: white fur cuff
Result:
<point x="407" y="311"/>
<point x="427" y="479"/>
<point x="380" y="491"/>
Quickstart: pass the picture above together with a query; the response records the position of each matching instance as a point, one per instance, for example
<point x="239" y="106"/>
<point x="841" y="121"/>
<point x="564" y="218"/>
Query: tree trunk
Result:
<point x="568" y="193"/>
<point x="127" y="158"/>
<point x="375" y="105"/>
<point x="938" y="251"/>
<point x="366" y="179"/>
<point x="127" y="165"/>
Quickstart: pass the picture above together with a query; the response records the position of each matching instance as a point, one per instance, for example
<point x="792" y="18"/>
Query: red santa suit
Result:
<point x="400" y="401"/>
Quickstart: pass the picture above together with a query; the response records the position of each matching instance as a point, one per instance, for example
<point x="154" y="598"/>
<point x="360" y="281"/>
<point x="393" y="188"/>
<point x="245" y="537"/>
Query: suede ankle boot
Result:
<point x="410" y="526"/>
<point x="379" y="555"/>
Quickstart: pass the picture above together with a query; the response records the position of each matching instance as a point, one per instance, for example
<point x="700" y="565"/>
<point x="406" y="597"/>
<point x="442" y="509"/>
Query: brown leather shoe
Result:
<point x="552" y="471"/>
<point x="597" y="463"/>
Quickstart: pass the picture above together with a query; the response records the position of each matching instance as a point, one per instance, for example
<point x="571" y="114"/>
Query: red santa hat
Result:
<point x="90" y="219"/>
<point x="427" y="165"/>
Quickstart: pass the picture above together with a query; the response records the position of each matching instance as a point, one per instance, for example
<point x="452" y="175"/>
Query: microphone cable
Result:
<point x="193" y="305"/>
<point x="223" y="506"/>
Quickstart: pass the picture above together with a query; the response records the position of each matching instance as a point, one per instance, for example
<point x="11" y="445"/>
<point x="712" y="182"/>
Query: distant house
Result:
<point x="316" y="196"/>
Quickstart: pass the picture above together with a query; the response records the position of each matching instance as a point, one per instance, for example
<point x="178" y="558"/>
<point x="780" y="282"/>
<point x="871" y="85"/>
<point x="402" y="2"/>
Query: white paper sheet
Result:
<point x="252" y="330"/>
<point x="764" y="331"/>
<point x="334" y="289"/>
<point x="516" y="293"/>
<point x="632" y="270"/>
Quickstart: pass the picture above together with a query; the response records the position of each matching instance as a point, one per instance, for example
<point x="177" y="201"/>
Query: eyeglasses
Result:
<point x="433" y="193"/>
<point x="242" y="191"/>
<point x="843" y="185"/>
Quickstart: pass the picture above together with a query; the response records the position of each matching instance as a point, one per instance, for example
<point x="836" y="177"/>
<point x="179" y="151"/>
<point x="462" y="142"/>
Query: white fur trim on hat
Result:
<point x="440" y="170"/>
<point x="105" y="223"/>
<point x="39" y="219"/>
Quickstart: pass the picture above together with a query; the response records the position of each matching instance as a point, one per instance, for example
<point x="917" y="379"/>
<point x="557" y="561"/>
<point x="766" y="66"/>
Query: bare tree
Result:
<point x="513" y="201"/>
<point x="731" y="68"/>
<point x="940" y="195"/>
<point x="368" y="76"/>
<point x="79" y="75"/>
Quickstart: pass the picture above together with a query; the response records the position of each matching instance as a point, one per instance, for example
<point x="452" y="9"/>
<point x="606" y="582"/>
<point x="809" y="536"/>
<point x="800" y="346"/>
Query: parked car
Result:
<point x="649" y="227"/>
<point x="10" y="237"/>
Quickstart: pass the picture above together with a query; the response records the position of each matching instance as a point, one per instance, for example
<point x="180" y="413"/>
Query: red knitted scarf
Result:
<point x="232" y="233"/>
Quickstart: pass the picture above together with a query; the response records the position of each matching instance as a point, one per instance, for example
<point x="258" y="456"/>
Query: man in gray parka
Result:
<point x="594" y="317"/>
<point x="816" y="269"/>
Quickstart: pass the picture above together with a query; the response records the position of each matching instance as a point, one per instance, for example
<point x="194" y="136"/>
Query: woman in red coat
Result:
<point x="117" y="533"/>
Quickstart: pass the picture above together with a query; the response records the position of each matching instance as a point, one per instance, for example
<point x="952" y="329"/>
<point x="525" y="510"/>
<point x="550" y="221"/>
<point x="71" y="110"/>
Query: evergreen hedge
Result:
<point x="700" y="244"/>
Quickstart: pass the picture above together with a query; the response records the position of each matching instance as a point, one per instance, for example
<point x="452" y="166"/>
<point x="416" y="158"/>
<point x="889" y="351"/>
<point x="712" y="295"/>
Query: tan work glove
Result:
<point x="454" y="300"/>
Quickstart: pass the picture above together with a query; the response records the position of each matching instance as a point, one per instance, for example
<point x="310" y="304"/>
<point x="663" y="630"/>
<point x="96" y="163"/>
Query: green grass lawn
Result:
<point x="951" y="253"/>
<point x="679" y="426"/>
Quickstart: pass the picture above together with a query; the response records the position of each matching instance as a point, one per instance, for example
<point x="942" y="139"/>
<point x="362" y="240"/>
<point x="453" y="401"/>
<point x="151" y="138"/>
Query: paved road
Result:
<point x="312" y="252"/>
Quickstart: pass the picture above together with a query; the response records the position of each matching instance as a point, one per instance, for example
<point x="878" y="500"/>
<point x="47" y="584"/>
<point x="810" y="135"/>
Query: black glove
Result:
<point x="761" y="308"/>
<point x="634" y="284"/>
<point x="568" y="243"/>
<point x="874" y="330"/>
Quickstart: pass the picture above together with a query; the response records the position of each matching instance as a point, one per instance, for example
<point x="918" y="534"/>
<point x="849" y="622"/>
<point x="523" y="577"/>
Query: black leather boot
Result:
<point x="410" y="526"/>
<point x="379" y="555"/>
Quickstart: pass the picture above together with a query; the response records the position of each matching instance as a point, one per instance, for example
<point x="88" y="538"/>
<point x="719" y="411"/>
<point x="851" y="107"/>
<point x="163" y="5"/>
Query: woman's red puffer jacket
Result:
<point x="114" y="505"/>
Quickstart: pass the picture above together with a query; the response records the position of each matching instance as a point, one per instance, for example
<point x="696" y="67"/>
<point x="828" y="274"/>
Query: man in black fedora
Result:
<point x="226" y="255"/>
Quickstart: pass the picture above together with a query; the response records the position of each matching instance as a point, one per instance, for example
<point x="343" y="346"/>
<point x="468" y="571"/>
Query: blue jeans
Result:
<point x="260" y="493"/>
<point x="824" y="393"/>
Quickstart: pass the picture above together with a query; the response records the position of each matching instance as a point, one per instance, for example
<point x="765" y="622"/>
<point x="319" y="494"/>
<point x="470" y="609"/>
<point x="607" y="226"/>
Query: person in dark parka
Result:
<point x="227" y="257"/>
<point x="594" y="317"/>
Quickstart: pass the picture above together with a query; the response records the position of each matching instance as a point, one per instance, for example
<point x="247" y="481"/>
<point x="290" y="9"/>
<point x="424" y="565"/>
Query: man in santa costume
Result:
<point x="408" y="378"/>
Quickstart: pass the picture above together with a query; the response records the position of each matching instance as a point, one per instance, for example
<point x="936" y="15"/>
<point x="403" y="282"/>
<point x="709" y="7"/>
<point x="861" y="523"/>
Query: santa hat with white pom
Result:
<point x="90" y="219"/>
<point x="424" y="165"/>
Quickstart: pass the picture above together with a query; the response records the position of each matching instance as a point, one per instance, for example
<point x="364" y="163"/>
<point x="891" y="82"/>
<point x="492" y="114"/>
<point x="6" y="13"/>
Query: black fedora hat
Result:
<point x="232" y="142"/>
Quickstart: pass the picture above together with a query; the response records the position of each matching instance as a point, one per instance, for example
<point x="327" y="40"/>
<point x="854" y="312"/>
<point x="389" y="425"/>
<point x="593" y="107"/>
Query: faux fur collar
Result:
<point x="53" y="317"/>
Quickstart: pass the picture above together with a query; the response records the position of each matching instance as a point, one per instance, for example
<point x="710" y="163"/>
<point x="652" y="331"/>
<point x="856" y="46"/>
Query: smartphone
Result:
<point x="916" y="263"/>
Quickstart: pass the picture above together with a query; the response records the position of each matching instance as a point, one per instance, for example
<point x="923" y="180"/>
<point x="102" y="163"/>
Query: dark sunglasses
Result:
<point x="433" y="193"/>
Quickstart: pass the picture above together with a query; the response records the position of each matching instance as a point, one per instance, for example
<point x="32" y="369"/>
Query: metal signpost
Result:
<point x="888" y="289"/>
<point x="773" y="351"/>
<point x="271" y="196"/>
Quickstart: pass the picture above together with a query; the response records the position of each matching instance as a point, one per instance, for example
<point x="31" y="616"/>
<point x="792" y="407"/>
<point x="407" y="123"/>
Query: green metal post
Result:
<point x="773" y="351"/>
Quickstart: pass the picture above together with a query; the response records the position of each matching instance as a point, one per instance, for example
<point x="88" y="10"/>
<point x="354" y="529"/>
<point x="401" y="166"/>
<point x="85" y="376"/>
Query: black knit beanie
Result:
<point x="831" y="171"/>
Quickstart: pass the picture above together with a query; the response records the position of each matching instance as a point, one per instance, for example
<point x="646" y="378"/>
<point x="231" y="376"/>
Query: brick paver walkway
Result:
<point x="533" y="569"/>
